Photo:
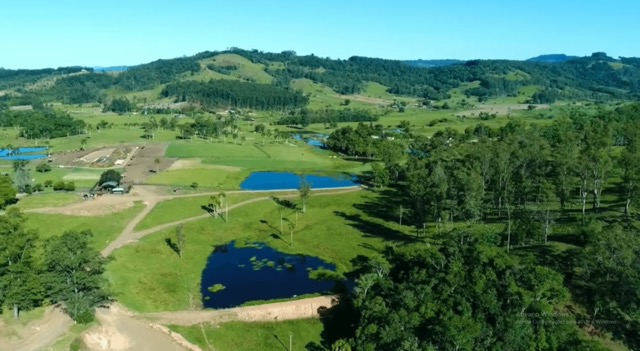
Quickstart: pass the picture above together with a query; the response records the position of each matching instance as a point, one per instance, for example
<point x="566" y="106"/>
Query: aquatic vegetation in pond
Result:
<point x="216" y="288"/>
<point x="260" y="273"/>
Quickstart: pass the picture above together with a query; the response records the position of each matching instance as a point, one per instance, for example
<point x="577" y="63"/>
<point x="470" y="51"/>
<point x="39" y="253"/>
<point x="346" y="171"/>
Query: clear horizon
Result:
<point x="43" y="34"/>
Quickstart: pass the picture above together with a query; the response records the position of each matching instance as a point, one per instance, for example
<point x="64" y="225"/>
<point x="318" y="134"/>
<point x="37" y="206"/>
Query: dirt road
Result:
<point x="120" y="331"/>
<point x="39" y="334"/>
<point x="128" y="235"/>
<point x="272" y="312"/>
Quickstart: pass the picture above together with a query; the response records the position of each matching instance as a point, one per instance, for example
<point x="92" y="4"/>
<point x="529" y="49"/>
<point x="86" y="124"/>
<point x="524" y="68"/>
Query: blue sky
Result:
<point x="45" y="33"/>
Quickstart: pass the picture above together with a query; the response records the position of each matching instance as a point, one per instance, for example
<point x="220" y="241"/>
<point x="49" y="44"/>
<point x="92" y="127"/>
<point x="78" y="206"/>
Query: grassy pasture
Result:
<point x="47" y="199"/>
<point x="104" y="228"/>
<point x="268" y="336"/>
<point x="206" y="177"/>
<point x="156" y="279"/>
<point x="214" y="150"/>
<point x="181" y="208"/>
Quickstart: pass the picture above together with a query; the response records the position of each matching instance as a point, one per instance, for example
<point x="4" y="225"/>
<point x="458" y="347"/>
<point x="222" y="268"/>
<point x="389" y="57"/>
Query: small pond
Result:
<point x="287" y="180"/>
<point x="23" y="153"/>
<point x="258" y="272"/>
<point x="316" y="140"/>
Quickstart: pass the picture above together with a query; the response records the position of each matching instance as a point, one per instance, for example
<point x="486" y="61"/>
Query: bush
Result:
<point x="59" y="185"/>
<point x="71" y="186"/>
<point x="194" y="185"/>
<point x="43" y="167"/>
<point x="38" y="187"/>
<point x="48" y="183"/>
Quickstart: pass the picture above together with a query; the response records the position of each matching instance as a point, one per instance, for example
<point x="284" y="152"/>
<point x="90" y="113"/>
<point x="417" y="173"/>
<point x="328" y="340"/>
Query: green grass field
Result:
<point x="270" y="336"/>
<point x="156" y="279"/>
<point x="104" y="228"/>
<point x="181" y="208"/>
<point x="214" y="150"/>
<point x="47" y="199"/>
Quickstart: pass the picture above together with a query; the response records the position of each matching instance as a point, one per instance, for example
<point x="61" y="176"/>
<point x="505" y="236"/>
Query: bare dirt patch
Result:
<point x="272" y="312"/>
<point x="197" y="163"/>
<point x="96" y="155"/>
<point x="120" y="331"/>
<point x="143" y="164"/>
<point x="100" y="206"/>
<point x="37" y="334"/>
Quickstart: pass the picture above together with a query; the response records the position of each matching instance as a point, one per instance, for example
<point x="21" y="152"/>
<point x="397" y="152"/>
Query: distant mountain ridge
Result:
<point x="549" y="58"/>
<point x="552" y="58"/>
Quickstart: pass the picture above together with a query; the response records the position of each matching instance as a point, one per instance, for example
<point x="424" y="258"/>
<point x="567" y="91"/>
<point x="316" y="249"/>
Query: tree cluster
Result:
<point x="64" y="270"/>
<point x="42" y="124"/>
<point x="305" y="117"/>
<point x="236" y="94"/>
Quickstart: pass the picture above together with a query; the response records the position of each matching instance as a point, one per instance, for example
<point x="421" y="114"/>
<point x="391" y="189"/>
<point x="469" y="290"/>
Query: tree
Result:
<point x="304" y="191"/>
<point x="43" y="167"/>
<point x="7" y="191"/>
<point x="20" y="280"/>
<point x="23" y="178"/>
<point x="291" y="226"/>
<point x="75" y="274"/>
<point x="48" y="183"/>
<point x="380" y="175"/>
<point x="59" y="185"/>
<point x="222" y="199"/>
<point x="400" y="212"/>
<point x="70" y="186"/>
<point x="157" y="163"/>
<point x="180" y="239"/>
<point x="110" y="175"/>
<point x="83" y="144"/>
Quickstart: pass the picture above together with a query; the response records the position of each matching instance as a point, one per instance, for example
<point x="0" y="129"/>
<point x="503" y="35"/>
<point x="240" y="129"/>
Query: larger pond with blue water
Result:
<point x="287" y="180"/>
<point x="258" y="272"/>
<point x="23" y="153"/>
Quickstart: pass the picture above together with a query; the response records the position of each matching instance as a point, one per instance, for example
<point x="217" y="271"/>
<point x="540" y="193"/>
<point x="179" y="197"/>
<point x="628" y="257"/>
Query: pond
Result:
<point x="258" y="272"/>
<point x="316" y="140"/>
<point x="288" y="180"/>
<point x="23" y="153"/>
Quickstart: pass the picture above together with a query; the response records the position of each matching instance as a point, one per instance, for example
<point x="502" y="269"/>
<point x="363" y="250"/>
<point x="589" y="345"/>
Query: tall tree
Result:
<point x="20" y="280"/>
<point x="180" y="239"/>
<point x="304" y="192"/>
<point x="75" y="274"/>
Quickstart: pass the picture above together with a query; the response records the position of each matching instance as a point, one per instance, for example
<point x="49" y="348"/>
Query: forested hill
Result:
<point x="596" y="77"/>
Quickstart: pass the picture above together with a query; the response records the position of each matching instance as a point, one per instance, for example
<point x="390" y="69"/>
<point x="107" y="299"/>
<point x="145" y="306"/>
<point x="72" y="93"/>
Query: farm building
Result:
<point x="108" y="185"/>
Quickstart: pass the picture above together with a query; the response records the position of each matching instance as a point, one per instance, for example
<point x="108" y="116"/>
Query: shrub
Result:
<point x="71" y="186"/>
<point x="59" y="185"/>
<point x="48" y="183"/>
<point x="43" y="167"/>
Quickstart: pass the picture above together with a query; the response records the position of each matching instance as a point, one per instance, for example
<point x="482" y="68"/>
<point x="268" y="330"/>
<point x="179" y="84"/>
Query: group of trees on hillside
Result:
<point x="305" y="116"/>
<point x="529" y="222"/>
<point x="42" y="124"/>
<point x="62" y="270"/>
<point x="597" y="77"/>
<point x="237" y="94"/>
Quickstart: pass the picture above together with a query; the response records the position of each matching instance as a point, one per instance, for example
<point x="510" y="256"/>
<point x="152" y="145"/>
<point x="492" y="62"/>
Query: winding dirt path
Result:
<point x="122" y="330"/>
<point x="128" y="235"/>
<point x="41" y="333"/>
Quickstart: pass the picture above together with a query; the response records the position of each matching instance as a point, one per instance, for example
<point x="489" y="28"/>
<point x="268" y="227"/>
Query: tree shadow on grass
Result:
<point x="281" y="343"/>
<point x="173" y="246"/>
<point x="371" y="229"/>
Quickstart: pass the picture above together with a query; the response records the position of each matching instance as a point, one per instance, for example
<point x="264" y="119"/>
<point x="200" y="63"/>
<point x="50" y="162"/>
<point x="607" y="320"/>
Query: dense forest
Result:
<point x="235" y="94"/>
<point x="536" y="236"/>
